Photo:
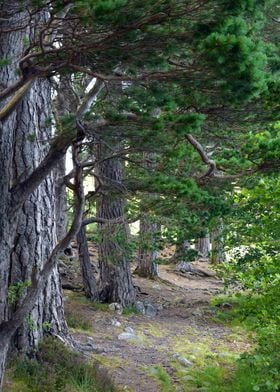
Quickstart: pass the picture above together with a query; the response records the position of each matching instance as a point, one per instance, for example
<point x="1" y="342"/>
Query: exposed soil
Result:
<point x="183" y="325"/>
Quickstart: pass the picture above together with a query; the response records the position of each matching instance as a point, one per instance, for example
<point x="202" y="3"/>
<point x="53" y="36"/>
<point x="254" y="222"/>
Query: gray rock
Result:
<point x="116" y="307"/>
<point x="126" y="336"/>
<point x="197" y="313"/>
<point x="184" y="267"/>
<point x="140" y="307"/>
<point x="150" y="310"/>
<point x="225" y="355"/>
<point x="129" y="330"/>
<point x="182" y="360"/>
<point x="116" y="323"/>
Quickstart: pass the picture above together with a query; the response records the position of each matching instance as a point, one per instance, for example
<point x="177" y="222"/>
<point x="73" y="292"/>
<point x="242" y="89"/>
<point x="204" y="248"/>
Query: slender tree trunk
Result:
<point x="203" y="247"/>
<point x="60" y="200"/>
<point x="147" y="254"/>
<point x="28" y="237"/>
<point x="217" y="252"/>
<point x="86" y="268"/>
<point x="115" y="276"/>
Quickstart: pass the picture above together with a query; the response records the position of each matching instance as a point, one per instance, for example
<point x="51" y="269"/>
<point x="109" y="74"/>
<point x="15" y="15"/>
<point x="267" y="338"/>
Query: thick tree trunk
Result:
<point x="203" y="247"/>
<point x="115" y="276"/>
<point x="28" y="237"/>
<point x="86" y="268"/>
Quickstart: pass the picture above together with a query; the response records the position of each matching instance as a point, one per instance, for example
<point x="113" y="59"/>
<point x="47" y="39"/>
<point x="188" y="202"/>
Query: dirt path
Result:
<point x="167" y="347"/>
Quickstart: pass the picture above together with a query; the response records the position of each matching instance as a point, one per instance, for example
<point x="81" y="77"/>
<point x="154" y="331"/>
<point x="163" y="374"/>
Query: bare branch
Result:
<point x="212" y="165"/>
<point x="90" y="98"/>
<point x="13" y="88"/>
<point x="8" y="108"/>
<point x="21" y="191"/>
<point x="101" y="220"/>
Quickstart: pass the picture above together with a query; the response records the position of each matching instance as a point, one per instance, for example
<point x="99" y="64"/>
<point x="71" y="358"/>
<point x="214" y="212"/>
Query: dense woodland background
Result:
<point x="169" y="113"/>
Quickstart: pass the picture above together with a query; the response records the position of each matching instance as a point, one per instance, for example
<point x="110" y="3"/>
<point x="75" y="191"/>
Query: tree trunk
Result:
<point x="115" y="276"/>
<point x="86" y="268"/>
<point x="217" y="252"/>
<point x="147" y="254"/>
<point x="180" y="251"/>
<point x="203" y="247"/>
<point x="28" y="237"/>
<point x="60" y="200"/>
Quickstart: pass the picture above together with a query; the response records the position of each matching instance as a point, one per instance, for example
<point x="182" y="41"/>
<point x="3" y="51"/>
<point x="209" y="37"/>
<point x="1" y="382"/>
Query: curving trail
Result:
<point x="183" y="329"/>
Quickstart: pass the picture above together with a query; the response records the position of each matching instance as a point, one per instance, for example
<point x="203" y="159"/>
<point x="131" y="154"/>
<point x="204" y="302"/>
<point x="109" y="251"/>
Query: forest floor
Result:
<point x="167" y="351"/>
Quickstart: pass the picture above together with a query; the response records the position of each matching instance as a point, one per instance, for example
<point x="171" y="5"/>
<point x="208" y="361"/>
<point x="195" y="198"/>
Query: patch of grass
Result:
<point x="229" y="316"/>
<point x="162" y="377"/>
<point x="99" y="306"/>
<point x="128" y="310"/>
<point x="55" y="369"/>
<point x="256" y="370"/>
<point x="215" y="361"/>
<point x="111" y="362"/>
<point x="155" y="330"/>
<point x="81" y="299"/>
<point x="77" y="321"/>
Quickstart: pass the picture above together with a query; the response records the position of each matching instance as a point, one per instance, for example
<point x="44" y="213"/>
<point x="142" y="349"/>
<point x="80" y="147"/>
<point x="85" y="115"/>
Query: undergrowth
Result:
<point x="55" y="369"/>
<point x="77" y="321"/>
<point x="163" y="378"/>
<point x="215" y="368"/>
<point x="258" y="370"/>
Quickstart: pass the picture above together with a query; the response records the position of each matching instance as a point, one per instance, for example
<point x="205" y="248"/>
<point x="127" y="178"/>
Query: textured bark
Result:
<point x="115" y="276"/>
<point x="28" y="237"/>
<point x="60" y="200"/>
<point x="217" y="252"/>
<point x="86" y="268"/>
<point x="147" y="254"/>
<point x="3" y="355"/>
<point x="203" y="247"/>
<point x="180" y="251"/>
